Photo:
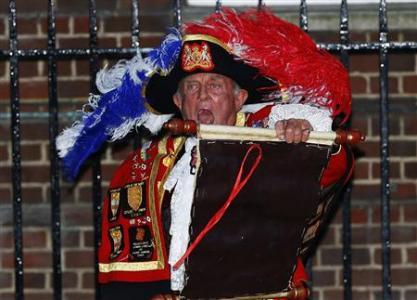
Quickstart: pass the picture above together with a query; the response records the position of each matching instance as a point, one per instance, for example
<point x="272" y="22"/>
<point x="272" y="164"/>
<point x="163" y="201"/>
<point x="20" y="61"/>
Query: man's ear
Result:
<point x="177" y="100"/>
<point x="240" y="99"/>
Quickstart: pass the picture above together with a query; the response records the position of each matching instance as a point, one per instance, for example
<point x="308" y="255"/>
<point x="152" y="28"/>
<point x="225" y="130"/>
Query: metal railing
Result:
<point x="52" y="54"/>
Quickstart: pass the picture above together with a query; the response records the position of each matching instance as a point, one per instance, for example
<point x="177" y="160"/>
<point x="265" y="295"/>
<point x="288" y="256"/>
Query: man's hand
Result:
<point x="293" y="130"/>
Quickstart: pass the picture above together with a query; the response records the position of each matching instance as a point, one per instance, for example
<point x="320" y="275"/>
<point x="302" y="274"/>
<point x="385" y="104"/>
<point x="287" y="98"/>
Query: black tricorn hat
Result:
<point x="204" y="53"/>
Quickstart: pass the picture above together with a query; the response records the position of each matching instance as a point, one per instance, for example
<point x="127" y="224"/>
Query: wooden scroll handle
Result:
<point x="188" y="127"/>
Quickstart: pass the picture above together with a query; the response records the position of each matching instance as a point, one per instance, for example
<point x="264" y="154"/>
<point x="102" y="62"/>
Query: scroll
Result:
<point x="252" y="250"/>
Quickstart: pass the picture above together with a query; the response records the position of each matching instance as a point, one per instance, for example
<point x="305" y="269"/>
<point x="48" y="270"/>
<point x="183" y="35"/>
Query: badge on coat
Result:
<point x="114" y="203"/>
<point x="134" y="202"/>
<point x="141" y="243"/>
<point x="116" y="239"/>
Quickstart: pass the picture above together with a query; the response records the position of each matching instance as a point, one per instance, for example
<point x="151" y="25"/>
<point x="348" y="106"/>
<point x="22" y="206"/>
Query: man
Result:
<point x="212" y="77"/>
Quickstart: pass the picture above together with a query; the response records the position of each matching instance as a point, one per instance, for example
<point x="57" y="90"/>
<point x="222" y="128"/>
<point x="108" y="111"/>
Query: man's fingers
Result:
<point x="280" y="129"/>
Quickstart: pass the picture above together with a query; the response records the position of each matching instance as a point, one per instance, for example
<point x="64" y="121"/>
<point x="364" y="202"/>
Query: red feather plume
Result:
<point x="281" y="51"/>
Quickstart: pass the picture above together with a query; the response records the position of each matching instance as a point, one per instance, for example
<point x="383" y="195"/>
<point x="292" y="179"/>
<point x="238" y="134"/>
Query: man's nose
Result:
<point x="204" y="92"/>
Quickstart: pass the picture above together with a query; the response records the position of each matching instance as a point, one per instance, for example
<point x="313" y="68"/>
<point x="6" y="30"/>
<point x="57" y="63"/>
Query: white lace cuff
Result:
<point x="319" y="118"/>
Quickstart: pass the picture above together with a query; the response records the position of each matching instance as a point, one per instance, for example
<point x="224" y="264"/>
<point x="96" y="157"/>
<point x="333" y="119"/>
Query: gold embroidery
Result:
<point x="240" y="119"/>
<point x="162" y="145"/>
<point x="129" y="266"/>
<point x="134" y="196"/>
<point x="208" y="38"/>
<point x="196" y="56"/>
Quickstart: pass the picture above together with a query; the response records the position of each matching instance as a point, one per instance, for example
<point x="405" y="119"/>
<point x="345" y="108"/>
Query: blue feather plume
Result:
<point x="121" y="107"/>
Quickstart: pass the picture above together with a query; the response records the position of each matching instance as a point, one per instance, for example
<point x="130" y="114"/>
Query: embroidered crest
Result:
<point x="141" y="243"/>
<point x="116" y="237"/>
<point x="134" y="196"/>
<point x="134" y="200"/>
<point x="197" y="56"/>
<point x="114" y="202"/>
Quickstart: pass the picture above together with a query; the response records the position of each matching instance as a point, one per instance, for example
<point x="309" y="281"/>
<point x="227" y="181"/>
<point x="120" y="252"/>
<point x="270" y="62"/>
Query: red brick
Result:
<point x="404" y="276"/>
<point x="73" y="88"/>
<point x="88" y="237"/>
<point x="402" y="61"/>
<point x="108" y="171"/>
<point x="33" y="43"/>
<point x="6" y="295"/>
<point x="365" y="192"/>
<point x="361" y="170"/>
<point x="329" y="236"/>
<point x="34" y="280"/>
<point x="79" y="259"/>
<point x="6" y="239"/>
<point x="145" y="41"/>
<point x="392" y="36"/>
<point x="412" y="255"/>
<point x="81" y="24"/>
<point x="364" y="62"/>
<point x="26" y="25"/>
<point x="117" y="24"/>
<point x="35" y="131"/>
<point x="403" y="148"/>
<point x="32" y="195"/>
<point x="410" y="125"/>
<point x="2" y="27"/>
<point x="394" y="125"/>
<point x="410" y="212"/>
<point x="64" y="68"/>
<point x="31" y="6"/>
<point x="409" y="35"/>
<point x="4" y="153"/>
<point x="35" y="173"/>
<point x="31" y="152"/>
<point x="70" y="238"/>
<point x="107" y="42"/>
<point x="410" y="170"/>
<point x="34" y="89"/>
<point x="331" y="256"/>
<point x="332" y="294"/>
<point x="324" y="278"/>
<point x="5" y="195"/>
<point x="395" y="295"/>
<point x="365" y="235"/>
<point x="392" y="85"/>
<point x="88" y="280"/>
<point x="31" y="260"/>
<point x="79" y="215"/>
<point x="356" y="36"/>
<point x="69" y="279"/>
<point x="394" y="214"/>
<point x="403" y="234"/>
<point x="360" y="295"/>
<point x="73" y="42"/>
<point x="82" y="67"/>
<point x="358" y="85"/>
<point x="79" y="296"/>
<point x="396" y="256"/>
<point x="85" y="194"/>
<point x="403" y="191"/>
<point x="410" y="84"/>
<point x="34" y="239"/>
<point x="5" y="174"/>
<point x="410" y="294"/>
<point x="5" y="91"/>
<point x="359" y="215"/>
<point x="61" y="24"/>
<point x="369" y="149"/>
<point x="394" y="170"/>
<point x="5" y="280"/>
<point x="3" y="67"/>
<point x="67" y="194"/>
<point x="360" y="122"/>
<point x="28" y="69"/>
<point x="38" y="296"/>
<point x="368" y="277"/>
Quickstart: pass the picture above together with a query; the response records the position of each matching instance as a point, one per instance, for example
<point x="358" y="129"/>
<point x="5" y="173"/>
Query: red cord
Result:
<point x="238" y="185"/>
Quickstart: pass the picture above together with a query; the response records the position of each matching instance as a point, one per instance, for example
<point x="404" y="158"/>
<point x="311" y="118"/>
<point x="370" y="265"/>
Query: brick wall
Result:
<point x="76" y="204"/>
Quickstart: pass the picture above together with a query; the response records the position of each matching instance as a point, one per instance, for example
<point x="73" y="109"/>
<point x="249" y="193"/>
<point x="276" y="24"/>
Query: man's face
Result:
<point x="209" y="99"/>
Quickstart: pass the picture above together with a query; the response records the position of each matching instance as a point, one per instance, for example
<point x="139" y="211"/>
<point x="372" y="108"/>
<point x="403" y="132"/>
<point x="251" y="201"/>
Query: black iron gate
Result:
<point x="344" y="47"/>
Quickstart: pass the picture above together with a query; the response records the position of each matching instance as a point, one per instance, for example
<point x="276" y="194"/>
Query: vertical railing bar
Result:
<point x="16" y="156"/>
<point x="384" y="150"/>
<point x="346" y="208"/>
<point x="218" y="6"/>
<point x="135" y="43"/>
<point x="54" y="168"/>
<point x="260" y="4"/>
<point x="177" y="13"/>
<point x="96" y="166"/>
<point x="304" y="26"/>
<point x="303" y="15"/>
<point x="135" y="24"/>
